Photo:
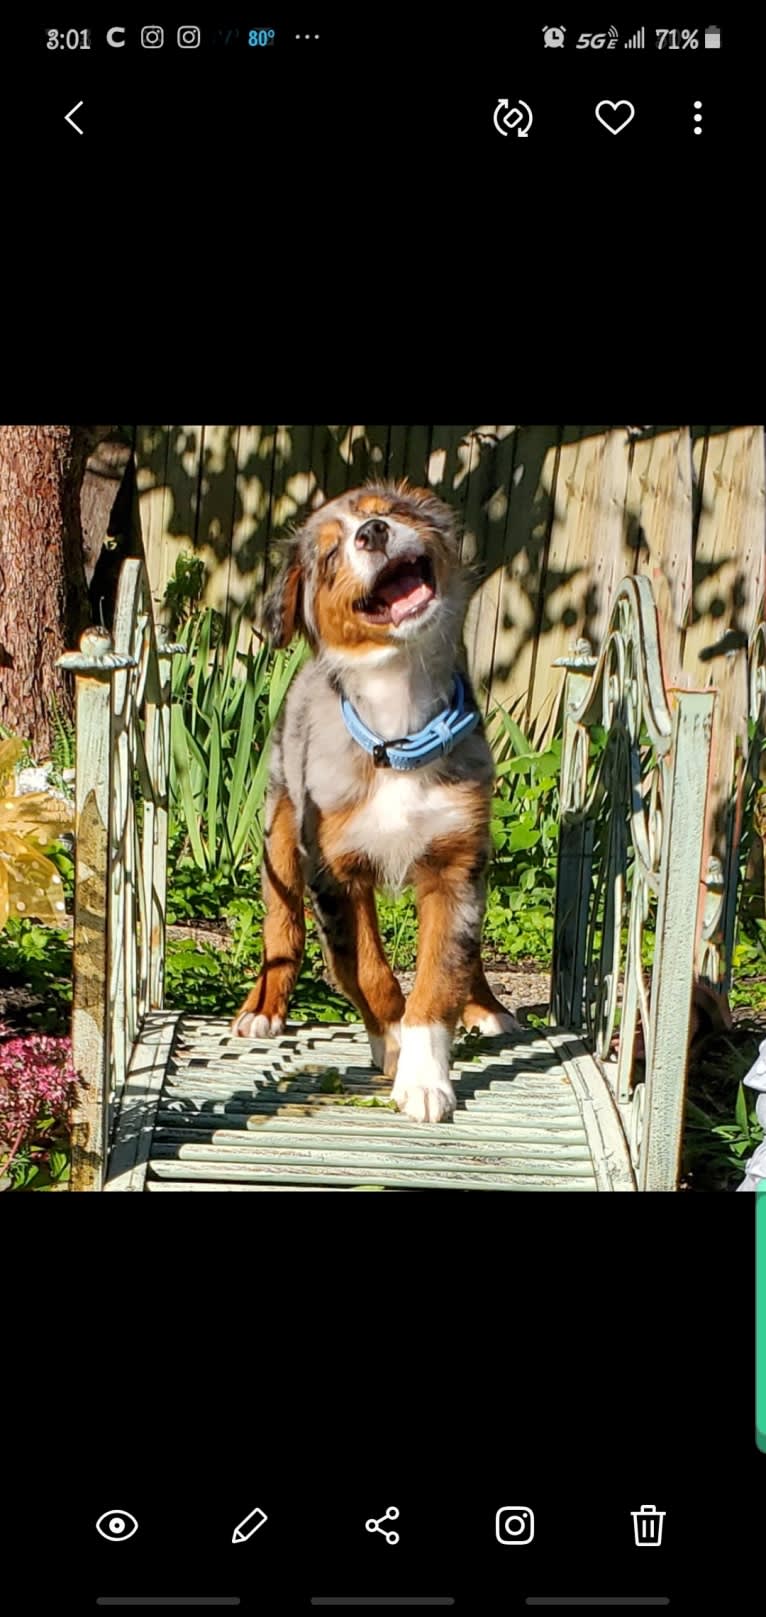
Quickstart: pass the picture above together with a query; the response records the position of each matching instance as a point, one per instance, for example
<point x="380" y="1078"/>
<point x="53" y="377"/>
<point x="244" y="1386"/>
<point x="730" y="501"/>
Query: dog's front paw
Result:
<point x="262" y="1016"/>
<point x="422" y="1089"/>
<point x="254" y="1025"/>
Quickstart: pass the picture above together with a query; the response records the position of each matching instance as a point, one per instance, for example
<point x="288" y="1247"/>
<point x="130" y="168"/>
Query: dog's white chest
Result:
<point x="399" y="820"/>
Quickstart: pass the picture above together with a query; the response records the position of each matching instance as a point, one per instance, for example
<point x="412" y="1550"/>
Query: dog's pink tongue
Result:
<point x="404" y="595"/>
<point x="402" y="607"/>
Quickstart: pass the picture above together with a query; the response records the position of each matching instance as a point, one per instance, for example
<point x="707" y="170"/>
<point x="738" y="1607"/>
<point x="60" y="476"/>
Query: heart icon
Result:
<point x="615" y="115"/>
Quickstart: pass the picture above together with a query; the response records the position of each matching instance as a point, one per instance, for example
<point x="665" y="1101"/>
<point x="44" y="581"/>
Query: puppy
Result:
<point x="380" y="776"/>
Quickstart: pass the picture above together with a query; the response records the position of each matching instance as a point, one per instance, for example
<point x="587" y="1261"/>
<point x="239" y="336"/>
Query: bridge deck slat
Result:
<point x="252" y="1115"/>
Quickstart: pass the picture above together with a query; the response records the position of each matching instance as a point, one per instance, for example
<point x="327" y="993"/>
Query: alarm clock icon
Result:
<point x="553" y="37"/>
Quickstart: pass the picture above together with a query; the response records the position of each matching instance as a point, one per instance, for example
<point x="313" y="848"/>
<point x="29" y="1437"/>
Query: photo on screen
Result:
<point x="382" y="809"/>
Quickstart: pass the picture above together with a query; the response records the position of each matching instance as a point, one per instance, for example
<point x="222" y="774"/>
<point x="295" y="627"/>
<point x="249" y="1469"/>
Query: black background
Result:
<point x="397" y="91"/>
<point x="318" y="233"/>
<point x="353" y="237"/>
<point x="448" y="1355"/>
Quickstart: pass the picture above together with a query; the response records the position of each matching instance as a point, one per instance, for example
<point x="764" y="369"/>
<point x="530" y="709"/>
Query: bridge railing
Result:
<point x="744" y="817"/>
<point x="121" y="834"/>
<point x="630" y="908"/>
<point x="630" y="886"/>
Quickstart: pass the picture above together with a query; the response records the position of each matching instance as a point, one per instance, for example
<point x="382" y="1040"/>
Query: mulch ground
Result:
<point x="16" y="1005"/>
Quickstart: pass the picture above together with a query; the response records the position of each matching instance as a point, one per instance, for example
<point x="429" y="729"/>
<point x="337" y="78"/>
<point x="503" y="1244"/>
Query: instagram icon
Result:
<point x="514" y="1524"/>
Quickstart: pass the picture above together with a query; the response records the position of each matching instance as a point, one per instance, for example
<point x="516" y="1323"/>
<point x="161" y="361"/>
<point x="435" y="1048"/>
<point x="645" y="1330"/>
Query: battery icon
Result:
<point x="712" y="39"/>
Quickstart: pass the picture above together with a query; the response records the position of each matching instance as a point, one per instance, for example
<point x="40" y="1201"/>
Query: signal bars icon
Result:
<point x="637" y="42"/>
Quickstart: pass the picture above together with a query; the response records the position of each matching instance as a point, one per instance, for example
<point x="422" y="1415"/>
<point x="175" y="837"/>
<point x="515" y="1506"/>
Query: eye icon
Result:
<point x="116" y="1526"/>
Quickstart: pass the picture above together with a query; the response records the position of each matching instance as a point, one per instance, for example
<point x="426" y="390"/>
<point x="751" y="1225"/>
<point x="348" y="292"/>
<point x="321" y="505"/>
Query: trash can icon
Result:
<point x="647" y="1525"/>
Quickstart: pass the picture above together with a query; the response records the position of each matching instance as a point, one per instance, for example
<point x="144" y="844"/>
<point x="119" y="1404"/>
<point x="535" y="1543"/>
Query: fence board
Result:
<point x="152" y="453"/>
<point x="587" y="556"/>
<point x="488" y="519"/>
<point x="294" y="481"/>
<point x="247" y="564"/>
<point x="728" y="598"/>
<point x="417" y="455"/>
<point x="660" y="533"/>
<point x="448" y="465"/>
<point x="170" y="516"/>
<point x="216" y="472"/>
<point x="553" y="516"/>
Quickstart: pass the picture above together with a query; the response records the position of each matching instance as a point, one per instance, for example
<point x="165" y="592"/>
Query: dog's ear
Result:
<point x="283" y="609"/>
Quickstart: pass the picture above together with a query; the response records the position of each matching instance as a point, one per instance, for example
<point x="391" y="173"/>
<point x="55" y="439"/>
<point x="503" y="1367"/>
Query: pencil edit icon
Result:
<point x="248" y="1525"/>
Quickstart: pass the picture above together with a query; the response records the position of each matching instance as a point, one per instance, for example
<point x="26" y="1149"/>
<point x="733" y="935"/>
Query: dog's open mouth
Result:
<point x="403" y="590"/>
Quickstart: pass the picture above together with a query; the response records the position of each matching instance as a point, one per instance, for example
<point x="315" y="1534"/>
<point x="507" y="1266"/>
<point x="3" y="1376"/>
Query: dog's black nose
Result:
<point x="372" y="535"/>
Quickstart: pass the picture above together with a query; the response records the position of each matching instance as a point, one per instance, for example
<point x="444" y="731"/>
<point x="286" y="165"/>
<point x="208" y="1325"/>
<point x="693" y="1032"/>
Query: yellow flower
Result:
<point x="29" y="883"/>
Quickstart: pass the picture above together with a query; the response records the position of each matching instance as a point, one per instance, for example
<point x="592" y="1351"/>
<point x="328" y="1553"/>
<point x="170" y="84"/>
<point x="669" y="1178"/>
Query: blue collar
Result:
<point x="413" y="752"/>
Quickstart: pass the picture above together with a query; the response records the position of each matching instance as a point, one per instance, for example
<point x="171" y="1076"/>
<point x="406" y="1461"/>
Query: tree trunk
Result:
<point x="44" y="602"/>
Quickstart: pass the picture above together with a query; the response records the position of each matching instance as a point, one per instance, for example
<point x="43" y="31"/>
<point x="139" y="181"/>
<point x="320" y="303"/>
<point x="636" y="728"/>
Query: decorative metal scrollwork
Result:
<point x="742" y="816"/>
<point x="140" y="740"/>
<point x="757" y="676"/>
<point x="631" y="823"/>
<point x="129" y="737"/>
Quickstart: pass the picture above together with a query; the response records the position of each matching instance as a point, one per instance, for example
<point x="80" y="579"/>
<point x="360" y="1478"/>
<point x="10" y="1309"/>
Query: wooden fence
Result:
<point x="553" y="518"/>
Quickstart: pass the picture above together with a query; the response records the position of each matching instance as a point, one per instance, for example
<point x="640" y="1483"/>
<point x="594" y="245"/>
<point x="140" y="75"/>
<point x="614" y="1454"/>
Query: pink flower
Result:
<point x="36" y="1080"/>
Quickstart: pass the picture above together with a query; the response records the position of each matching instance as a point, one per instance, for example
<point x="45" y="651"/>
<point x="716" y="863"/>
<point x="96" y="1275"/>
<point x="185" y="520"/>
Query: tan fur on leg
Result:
<point x="483" y="1011"/>
<point x="284" y="929"/>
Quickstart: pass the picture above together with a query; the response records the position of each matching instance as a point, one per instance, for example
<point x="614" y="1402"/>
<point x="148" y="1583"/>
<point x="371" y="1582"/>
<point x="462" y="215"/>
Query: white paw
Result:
<point x="251" y="1026"/>
<point x="385" y="1049"/>
<point x="491" y="1023"/>
<point x="422" y="1089"/>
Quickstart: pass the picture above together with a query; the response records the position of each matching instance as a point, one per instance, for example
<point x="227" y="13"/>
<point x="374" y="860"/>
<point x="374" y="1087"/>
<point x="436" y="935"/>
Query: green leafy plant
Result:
<point x="524" y="831"/>
<point x="183" y="591"/>
<point x="197" y="895"/>
<point x="44" y="1162"/>
<point x="214" y="981"/>
<point x="226" y="703"/>
<point x="749" y="966"/>
<point x="398" y="924"/>
<point x="39" y="958"/>
<point x="722" y="1130"/>
<point x="63" y="740"/>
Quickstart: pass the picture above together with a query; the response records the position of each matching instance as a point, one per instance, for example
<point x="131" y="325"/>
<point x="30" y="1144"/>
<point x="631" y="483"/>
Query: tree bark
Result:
<point x="44" y="603"/>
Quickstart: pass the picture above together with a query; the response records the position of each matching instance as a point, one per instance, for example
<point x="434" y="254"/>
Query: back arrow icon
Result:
<point x="70" y="120"/>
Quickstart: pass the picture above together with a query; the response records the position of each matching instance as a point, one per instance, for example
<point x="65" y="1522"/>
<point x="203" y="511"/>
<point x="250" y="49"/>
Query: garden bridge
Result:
<point x="593" y="1101"/>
